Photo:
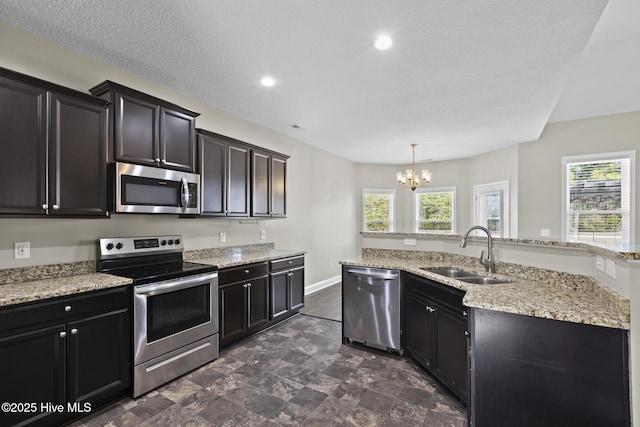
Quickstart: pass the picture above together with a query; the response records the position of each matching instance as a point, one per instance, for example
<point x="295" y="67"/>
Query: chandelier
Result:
<point x="410" y="178"/>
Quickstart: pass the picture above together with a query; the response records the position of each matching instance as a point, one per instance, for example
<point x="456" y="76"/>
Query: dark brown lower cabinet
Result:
<point x="529" y="371"/>
<point x="287" y="287"/>
<point x="255" y="296"/>
<point x="65" y="357"/>
<point x="244" y="308"/>
<point x="436" y="331"/>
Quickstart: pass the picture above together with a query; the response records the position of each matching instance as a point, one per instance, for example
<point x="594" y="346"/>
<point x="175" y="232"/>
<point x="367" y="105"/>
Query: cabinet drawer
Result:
<point x="243" y="272"/>
<point x="286" y="263"/>
<point x="55" y="309"/>
<point x="443" y="294"/>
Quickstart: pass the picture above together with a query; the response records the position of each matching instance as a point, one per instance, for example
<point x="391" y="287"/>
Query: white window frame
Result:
<point x="416" y="213"/>
<point x="502" y="186"/>
<point x="392" y="210"/>
<point x="631" y="155"/>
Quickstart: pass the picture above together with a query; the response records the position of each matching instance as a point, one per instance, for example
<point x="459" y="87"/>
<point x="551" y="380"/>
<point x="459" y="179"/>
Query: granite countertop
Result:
<point x="28" y="284"/>
<point x="20" y="292"/>
<point x="241" y="257"/>
<point x="530" y="291"/>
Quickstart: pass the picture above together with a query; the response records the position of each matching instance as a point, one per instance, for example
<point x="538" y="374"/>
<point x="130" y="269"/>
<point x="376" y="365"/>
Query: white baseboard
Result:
<point x="315" y="287"/>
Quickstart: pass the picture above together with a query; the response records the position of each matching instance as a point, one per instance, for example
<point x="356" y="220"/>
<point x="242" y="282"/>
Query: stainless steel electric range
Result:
<point x="175" y="306"/>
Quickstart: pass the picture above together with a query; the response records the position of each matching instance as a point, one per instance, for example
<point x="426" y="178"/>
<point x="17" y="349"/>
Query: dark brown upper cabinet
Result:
<point x="268" y="184"/>
<point x="224" y="171"/>
<point x="147" y="130"/>
<point x="54" y="143"/>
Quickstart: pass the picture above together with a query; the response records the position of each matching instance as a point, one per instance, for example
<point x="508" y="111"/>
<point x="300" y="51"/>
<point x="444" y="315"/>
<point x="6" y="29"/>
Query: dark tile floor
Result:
<point x="297" y="373"/>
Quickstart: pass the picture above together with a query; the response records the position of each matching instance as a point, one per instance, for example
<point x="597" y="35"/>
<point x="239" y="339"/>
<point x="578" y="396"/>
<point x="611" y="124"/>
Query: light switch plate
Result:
<point x="263" y="234"/>
<point x="223" y="237"/>
<point x="611" y="268"/>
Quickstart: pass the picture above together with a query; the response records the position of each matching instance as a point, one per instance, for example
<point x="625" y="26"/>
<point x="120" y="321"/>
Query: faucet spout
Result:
<point x="487" y="262"/>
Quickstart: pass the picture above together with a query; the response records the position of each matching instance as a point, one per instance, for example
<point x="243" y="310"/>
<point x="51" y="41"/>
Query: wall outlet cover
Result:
<point x="223" y="237"/>
<point x="545" y="232"/>
<point x="409" y="242"/>
<point x="263" y="234"/>
<point x="599" y="263"/>
<point x="22" y="250"/>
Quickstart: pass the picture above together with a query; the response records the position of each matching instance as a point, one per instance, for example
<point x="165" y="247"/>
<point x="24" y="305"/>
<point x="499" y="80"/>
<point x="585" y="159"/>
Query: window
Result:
<point x="378" y="207"/>
<point x="597" y="197"/>
<point x="492" y="207"/>
<point x="435" y="211"/>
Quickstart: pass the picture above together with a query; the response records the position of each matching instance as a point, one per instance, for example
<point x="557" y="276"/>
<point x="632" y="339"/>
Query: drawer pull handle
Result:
<point x="67" y="308"/>
<point x="289" y="262"/>
<point x="246" y="271"/>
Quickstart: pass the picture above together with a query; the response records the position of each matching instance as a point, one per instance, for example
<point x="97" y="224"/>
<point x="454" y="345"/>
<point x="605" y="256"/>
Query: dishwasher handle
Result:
<point x="382" y="276"/>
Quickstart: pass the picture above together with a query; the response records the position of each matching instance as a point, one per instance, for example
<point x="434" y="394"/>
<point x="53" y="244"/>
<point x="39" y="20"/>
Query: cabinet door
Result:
<point x="279" y="294"/>
<point x="258" y="302"/>
<point x="233" y="312"/>
<point x="137" y="127"/>
<point x="99" y="356"/>
<point x="278" y="187"/>
<point x="260" y="184"/>
<point x="420" y="329"/>
<point x="177" y="140"/>
<point x="33" y="370"/>
<point x="296" y="289"/>
<point x="22" y="163"/>
<point x="237" y="180"/>
<point x="450" y="350"/>
<point x="77" y="172"/>
<point x="212" y="175"/>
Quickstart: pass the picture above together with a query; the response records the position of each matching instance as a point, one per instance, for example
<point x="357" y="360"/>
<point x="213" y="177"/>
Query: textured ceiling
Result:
<point x="461" y="78"/>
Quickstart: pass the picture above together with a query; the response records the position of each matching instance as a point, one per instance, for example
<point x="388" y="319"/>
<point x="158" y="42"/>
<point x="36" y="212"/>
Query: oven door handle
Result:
<point x="166" y="286"/>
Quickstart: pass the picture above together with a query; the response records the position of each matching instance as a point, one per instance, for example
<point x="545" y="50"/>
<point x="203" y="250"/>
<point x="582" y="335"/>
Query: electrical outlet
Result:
<point x="409" y="242"/>
<point x="330" y="266"/>
<point x="263" y="234"/>
<point x="22" y="250"/>
<point x="545" y="232"/>
<point x="223" y="237"/>
<point x="611" y="268"/>
<point x="599" y="263"/>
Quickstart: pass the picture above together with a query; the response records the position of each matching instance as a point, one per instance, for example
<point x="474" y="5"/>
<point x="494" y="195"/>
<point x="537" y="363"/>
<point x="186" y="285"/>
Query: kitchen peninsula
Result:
<point x="551" y="287"/>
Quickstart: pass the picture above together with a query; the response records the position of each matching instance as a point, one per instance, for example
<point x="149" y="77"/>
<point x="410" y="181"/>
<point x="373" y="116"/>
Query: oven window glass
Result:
<point x="149" y="192"/>
<point x="173" y="312"/>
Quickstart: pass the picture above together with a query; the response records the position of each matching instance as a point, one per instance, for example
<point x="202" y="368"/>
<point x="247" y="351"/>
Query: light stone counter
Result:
<point x="20" y="292"/>
<point x="240" y="257"/>
<point x="28" y="284"/>
<point x="531" y="291"/>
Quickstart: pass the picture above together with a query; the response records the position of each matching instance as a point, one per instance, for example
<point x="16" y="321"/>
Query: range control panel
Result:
<point x="131" y="246"/>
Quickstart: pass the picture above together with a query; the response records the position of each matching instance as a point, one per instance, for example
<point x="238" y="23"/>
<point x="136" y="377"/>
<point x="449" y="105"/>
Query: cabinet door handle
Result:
<point x="63" y="334"/>
<point x="163" y="161"/>
<point x="67" y="308"/>
<point x="429" y="309"/>
<point x="157" y="159"/>
<point x="45" y="206"/>
<point x="56" y="207"/>
<point x="74" y="331"/>
<point x="249" y="285"/>
<point x="464" y="313"/>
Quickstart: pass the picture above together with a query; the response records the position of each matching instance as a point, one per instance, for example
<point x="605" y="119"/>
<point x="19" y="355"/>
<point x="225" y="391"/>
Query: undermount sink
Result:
<point x="479" y="280"/>
<point x="449" y="272"/>
<point x="463" y="276"/>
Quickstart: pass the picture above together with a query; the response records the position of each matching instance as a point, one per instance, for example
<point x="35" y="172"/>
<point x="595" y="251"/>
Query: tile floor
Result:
<point x="297" y="373"/>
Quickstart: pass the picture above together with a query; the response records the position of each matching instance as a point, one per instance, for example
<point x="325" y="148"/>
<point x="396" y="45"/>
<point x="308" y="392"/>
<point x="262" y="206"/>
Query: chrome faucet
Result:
<point x="488" y="263"/>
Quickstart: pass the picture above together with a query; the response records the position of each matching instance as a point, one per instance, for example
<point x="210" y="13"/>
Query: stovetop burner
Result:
<point x="147" y="259"/>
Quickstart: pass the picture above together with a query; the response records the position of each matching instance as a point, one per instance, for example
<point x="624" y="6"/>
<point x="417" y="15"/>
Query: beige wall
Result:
<point x="533" y="170"/>
<point x="321" y="193"/>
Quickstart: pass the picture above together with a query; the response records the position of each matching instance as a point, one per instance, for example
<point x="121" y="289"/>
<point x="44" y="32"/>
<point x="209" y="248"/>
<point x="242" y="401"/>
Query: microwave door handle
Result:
<point x="184" y="198"/>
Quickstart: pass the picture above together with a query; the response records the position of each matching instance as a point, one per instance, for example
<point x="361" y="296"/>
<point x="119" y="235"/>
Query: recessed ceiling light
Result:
<point x="383" y="42"/>
<point x="267" y="81"/>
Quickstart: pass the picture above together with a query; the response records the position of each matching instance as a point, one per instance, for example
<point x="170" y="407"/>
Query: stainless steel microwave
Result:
<point x="145" y="189"/>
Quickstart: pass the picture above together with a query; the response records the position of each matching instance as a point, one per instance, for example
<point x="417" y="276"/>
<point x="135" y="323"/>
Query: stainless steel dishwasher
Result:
<point x="371" y="307"/>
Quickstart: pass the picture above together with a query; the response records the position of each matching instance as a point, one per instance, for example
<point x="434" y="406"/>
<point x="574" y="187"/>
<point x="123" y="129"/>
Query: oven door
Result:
<point x="173" y="313"/>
